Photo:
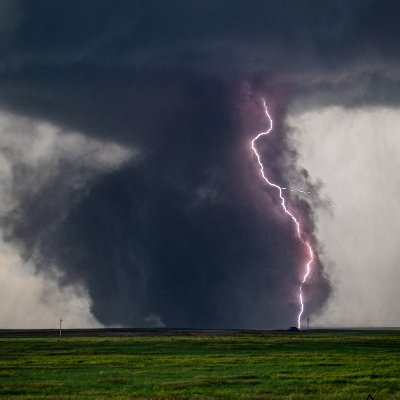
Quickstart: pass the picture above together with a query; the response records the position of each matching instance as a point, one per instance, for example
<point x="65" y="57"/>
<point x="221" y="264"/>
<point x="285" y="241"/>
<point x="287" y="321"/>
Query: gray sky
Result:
<point x="356" y="153"/>
<point x="31" y="154"/>
<point x="129" y="194"/>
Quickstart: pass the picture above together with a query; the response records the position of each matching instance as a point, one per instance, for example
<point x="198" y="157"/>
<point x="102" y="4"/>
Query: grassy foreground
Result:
<point x="246" y="366"/>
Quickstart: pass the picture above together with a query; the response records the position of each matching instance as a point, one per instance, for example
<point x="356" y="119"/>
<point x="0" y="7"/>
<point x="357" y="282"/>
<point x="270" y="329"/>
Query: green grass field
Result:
<point x="247" y="366"/>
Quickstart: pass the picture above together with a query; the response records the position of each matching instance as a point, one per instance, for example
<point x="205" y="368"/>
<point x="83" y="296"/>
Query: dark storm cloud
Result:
<point x="185" y="233"/>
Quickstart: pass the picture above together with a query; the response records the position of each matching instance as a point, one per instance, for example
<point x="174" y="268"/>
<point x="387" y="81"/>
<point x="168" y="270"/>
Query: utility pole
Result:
<point x="60" y="328"/>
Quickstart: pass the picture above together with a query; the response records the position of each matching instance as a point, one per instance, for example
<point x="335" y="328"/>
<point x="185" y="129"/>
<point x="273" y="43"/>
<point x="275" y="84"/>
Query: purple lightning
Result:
<point x="294" y="219"/>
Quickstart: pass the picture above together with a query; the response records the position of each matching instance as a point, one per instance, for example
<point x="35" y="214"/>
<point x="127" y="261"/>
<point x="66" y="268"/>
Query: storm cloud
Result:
<point x="158" y="210"/>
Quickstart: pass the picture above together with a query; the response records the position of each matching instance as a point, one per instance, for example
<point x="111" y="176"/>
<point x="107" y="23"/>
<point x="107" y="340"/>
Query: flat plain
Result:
<point x="241" y="365"/>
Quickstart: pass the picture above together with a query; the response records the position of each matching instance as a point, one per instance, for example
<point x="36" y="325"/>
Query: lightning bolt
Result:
<point x="308" y="193"/>
<point x="289" y="213"/>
